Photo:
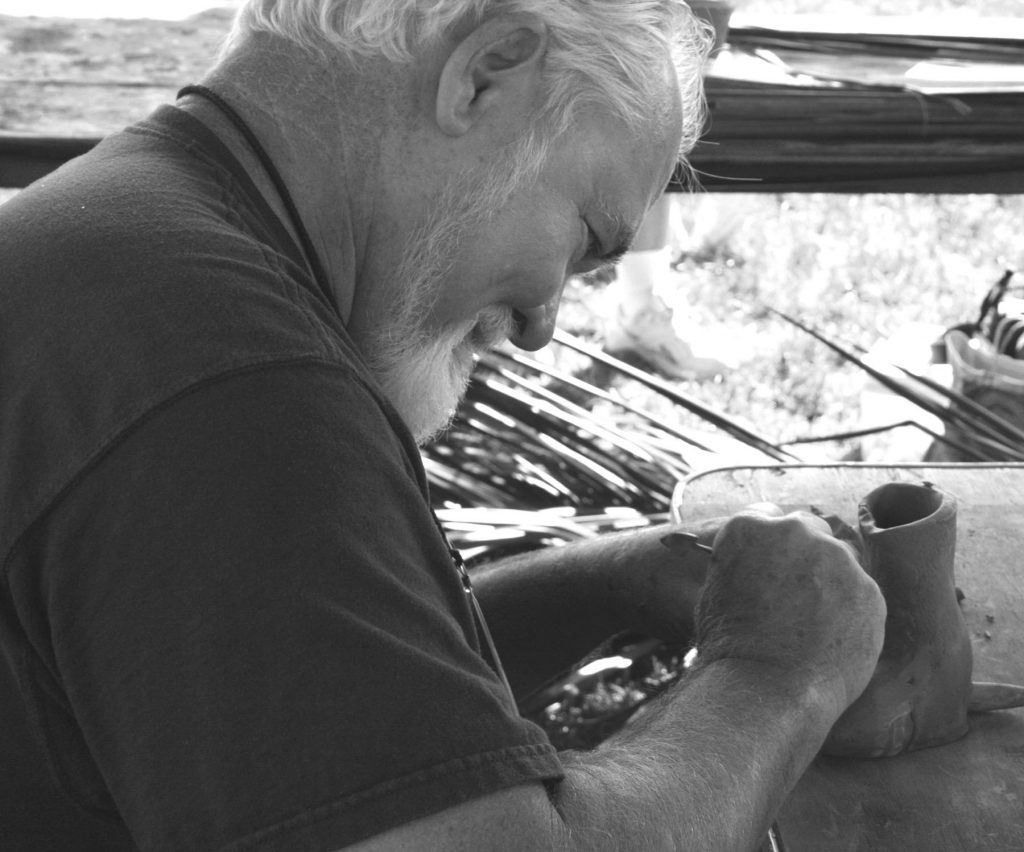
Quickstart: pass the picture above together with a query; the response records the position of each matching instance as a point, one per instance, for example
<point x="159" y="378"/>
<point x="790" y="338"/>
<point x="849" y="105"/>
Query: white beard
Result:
<point x="427" y="384"/>
<point x="424" y="371"/>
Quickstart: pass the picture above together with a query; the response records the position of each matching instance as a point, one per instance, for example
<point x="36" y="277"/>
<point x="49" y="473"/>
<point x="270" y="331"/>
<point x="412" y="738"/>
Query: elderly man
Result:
<point x="229" y="619"/>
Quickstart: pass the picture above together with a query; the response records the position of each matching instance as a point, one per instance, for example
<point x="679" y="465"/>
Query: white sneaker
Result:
<point x="647" y="338"/>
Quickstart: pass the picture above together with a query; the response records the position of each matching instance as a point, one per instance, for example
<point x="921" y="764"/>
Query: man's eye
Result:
<point x="592" y="266"/>
<point x="592" y="260"/>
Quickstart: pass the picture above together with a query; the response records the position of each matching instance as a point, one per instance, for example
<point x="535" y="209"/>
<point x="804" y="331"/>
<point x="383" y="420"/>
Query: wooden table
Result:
<point x="963" y="797"/>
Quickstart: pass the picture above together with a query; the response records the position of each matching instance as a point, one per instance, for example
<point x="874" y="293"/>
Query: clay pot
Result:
<point x="919" y="693"/>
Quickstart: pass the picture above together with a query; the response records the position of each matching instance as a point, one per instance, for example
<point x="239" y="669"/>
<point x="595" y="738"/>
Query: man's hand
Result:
<point x="783" y="592"/>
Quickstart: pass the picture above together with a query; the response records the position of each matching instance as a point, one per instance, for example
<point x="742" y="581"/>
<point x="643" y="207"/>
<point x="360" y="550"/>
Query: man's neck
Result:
<point x="356" y="148"/>
<point x="287" y="111"/>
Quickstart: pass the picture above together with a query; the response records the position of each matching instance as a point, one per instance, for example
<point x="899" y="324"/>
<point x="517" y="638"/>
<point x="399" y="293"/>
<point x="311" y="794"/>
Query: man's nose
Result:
<point x="535" y="326"/>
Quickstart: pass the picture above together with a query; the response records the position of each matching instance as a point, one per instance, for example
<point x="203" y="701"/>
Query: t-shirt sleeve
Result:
<point x="257" y="632"/>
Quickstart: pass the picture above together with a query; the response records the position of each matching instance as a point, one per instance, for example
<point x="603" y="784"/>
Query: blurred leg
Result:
<point x="639" y="328"/>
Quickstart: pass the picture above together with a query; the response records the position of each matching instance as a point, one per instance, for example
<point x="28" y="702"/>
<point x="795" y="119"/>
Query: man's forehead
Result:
<point x="624" y="202"/>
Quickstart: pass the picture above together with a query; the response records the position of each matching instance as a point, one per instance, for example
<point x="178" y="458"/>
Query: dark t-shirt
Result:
<point x="227" y="619"/>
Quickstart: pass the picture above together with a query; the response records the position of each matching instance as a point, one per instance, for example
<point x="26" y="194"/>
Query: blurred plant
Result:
<point x="527" y="437"/>
<point x="973" y="432"/>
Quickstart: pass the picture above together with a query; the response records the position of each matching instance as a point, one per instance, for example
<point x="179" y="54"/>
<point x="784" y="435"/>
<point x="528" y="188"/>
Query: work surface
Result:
<point x="964" y="797"/>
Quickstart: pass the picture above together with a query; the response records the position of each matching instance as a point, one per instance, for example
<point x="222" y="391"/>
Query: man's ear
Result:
<point x="497" y="62"/>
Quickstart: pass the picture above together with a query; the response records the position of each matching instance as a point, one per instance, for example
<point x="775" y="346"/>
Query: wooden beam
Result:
<point x="764" y="138"/>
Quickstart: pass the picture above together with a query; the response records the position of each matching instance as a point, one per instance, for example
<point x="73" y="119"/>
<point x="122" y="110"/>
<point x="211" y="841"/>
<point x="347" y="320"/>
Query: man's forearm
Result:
<point x="548" y="608"/>
<point x="702" y="770"/>
<point x="706" y="768"/>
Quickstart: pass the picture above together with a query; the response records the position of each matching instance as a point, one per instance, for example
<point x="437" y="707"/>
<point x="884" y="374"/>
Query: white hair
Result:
<point x="601" y="52"/>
